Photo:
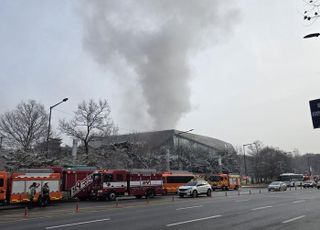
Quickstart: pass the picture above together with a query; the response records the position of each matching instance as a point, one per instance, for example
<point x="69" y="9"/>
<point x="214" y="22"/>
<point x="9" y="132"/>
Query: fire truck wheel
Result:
<point x="112" y="196"/>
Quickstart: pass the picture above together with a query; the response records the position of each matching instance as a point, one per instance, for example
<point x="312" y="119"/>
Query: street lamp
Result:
<point x="312" y="35"/>
<point x="179" y="151"/>
<point x="49" y="126"/>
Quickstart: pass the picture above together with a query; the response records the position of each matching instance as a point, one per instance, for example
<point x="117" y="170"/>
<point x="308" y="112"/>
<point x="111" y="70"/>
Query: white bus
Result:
<point x="291" y="179"/>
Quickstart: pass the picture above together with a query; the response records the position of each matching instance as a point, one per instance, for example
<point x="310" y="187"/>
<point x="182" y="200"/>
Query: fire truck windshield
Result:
<point x="215" y="178"/>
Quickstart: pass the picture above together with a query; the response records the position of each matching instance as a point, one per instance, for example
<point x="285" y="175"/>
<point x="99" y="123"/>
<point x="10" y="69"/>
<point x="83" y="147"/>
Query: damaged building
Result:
<point x="168" y="150"/>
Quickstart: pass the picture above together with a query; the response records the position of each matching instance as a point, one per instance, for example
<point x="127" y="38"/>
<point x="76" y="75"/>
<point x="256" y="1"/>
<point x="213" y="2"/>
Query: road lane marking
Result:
<point x="238" y="201"/>
<point x="198" y="206"/>
<point x="259" y="208"/>
<point x="194" y="220"/>
<point x="293" y="219"/>
<point x="78" y="223"/>
<point x="298" y="201"/>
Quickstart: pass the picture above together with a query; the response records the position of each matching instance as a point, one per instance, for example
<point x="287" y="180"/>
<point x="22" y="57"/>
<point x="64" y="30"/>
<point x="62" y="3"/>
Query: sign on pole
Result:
<point x="315" y="113"/>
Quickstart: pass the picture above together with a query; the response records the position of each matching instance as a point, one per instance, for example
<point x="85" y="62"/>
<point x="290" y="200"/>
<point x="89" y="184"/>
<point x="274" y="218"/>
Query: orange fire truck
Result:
<point x="109" y="184"/>
<point x="14" y="188"/>
<point x="224" y="181"/>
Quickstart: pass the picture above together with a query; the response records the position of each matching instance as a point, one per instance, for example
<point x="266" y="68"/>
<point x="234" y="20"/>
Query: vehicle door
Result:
<point x="3" y="186"/>
<point x="201" y="187"/>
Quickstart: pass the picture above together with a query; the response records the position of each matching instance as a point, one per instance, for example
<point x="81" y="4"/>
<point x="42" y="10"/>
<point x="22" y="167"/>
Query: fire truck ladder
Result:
<point x="81" y="185"/>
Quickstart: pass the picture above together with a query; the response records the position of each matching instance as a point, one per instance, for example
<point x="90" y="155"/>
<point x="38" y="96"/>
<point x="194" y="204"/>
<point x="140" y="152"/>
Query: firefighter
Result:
<point x="32" y="193"/>
<point x="45" y="194"/>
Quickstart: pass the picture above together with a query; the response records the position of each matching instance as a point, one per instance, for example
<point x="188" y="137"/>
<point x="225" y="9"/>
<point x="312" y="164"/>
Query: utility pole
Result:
<point x="220" y="163"/>
<point x="245" y="163"/>
<point x="168" y="160"/>
<point x="245" y="160"/>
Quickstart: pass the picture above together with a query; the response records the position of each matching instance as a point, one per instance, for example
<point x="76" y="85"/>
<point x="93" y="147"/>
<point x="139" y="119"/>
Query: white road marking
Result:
<point x="238" y="201"/>
<point x="298" y="201"/>
<point x="194" y="220"/>
<point x="75" y="224"/>
<point x="259" y="208"/>
<point x="198" y="206"/>
<point x="293" y="219"/>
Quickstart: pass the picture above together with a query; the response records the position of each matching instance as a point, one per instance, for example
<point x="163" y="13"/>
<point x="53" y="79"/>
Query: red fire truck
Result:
<point x="79" y="182"/>
<point x="109" y="184"/>
<point x="14" y="187"/>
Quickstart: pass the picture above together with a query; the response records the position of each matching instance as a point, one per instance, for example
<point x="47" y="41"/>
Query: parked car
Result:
<point x="309" y="184"/>
<point x="195" y="188"/>
<point x="277" y="186"/>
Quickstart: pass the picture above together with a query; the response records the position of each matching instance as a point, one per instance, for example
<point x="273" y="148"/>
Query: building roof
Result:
<point x="163" y="137"/>
<point x="205" y="140"/>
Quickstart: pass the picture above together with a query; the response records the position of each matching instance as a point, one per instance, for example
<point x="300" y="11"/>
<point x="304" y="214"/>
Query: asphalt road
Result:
<point x="296" y="209"/>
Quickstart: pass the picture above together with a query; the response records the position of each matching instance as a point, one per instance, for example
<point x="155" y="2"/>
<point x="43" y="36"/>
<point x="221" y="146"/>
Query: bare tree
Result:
<point x="312" y="10"/>
<point x="91" y="119"/>
<point x="25" y="125"/>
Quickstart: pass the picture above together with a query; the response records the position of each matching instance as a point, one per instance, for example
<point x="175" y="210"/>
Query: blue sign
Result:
<point x="315" y="113"/>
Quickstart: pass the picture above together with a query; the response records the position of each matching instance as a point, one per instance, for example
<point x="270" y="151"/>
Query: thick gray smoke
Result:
<point x="156" y="38"/>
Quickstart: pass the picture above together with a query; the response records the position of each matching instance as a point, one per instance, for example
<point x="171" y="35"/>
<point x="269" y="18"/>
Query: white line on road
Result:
<point x="259" y="208"/>
<point x="298" y="201"/>
<point x="75" y="224"/>
<point x="293" y="219"/>
<point x="238" y="201"/>
<point x="194" y="220"/>
<point x="198" y="206"/>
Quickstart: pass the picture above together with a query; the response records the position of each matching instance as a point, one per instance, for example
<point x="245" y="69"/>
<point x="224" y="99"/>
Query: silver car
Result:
<point x="277" y="186"/>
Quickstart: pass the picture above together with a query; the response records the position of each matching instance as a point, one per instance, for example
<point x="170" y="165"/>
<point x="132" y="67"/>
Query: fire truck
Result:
<point x="14" y="187"/>
<point x="80" y="182"/>
<point x="109" y="184"/>
<point x="224" y="181"/>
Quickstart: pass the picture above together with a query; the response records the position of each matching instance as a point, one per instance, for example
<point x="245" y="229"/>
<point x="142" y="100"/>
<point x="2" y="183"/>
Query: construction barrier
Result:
<point x="117" y="202"/>
<point x="25" y="211"/>
<point x="77" y="207"/>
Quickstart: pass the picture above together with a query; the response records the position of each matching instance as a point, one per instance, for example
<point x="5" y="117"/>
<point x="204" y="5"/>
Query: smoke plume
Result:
<point x="156" y="38"/>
